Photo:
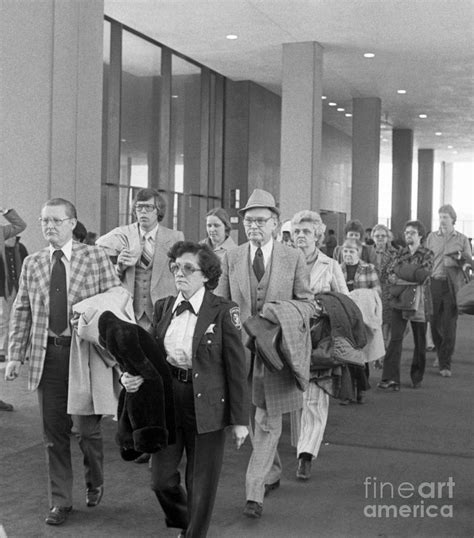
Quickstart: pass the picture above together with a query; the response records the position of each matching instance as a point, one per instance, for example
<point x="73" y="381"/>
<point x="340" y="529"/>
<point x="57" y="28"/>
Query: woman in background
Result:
<point x="218" y="232"/>
<point x="384" y="254"/>
<point x="325" y="275"/>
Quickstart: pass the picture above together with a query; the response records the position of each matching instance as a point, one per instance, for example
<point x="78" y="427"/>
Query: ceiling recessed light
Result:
<point x="174" y="97"/>
<point x="348" y="115"/>
<point x="401" y="92"/>
<point x="323" y="97"/>
<point x="438" y="133"/>
<point x="340" y="109"/>
<point x="231" y="36"/>
<point x="332" y="104"/>
<point x="422" y="116"/>
<point x="454" y="151"/>
<point x="369" y="55"/>
<point x="384" y="139"/>
<point x="450" y="147"/>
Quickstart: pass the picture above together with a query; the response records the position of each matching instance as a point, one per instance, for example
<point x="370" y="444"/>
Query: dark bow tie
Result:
<point x="184" y="305"/>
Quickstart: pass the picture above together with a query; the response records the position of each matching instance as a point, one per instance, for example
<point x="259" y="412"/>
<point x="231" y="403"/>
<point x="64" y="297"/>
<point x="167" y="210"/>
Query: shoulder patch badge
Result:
<point x="235" y="317"/>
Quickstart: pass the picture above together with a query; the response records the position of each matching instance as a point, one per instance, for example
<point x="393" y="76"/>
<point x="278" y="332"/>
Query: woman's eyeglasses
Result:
<point x="186" y="268"/>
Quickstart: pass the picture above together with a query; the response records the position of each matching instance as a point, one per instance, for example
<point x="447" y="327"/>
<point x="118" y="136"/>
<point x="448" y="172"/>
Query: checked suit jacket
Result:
<point x="288" y="280"/>
<point x="91" y="272"/>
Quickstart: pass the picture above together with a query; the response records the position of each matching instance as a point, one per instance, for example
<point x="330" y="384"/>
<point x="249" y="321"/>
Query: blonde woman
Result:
<point x="325" y="275"/>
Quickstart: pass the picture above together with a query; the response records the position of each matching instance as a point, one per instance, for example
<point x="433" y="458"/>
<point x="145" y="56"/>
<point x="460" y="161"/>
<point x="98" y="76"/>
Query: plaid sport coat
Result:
<point x="91" y="272"/>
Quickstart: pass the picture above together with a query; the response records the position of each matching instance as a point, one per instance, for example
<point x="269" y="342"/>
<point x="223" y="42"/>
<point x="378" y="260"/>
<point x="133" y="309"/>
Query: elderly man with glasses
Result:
<point x="255" y="273"/>
<point x="52" y="281"/>
<point x="140" y="253"/>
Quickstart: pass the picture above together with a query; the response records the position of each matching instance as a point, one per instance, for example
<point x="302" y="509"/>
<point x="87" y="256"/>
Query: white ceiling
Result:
<point x="425" y="47"/>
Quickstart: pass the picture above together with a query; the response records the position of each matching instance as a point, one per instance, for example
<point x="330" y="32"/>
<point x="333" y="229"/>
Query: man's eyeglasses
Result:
<point x="147" y="208"/>
<point x="259" y="221"/>
<point x="56" y="222"/>
<point x="186" y="268"/>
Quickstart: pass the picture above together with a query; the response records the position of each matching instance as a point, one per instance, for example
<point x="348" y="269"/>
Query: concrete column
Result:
<point x="402" y="159"/>
<point x="446" y="195"/>
<point x="51" y="108"/>
<point x="425" y="186"/>
<point x="365" y="159"/>
<point x="301" y="127"/>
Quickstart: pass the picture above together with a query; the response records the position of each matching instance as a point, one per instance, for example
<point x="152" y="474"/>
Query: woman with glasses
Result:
<point x="384" y="254"/>
<point x="201" y="333"/>
<point x="325" y="275"/>
<point x="218" y="232"/>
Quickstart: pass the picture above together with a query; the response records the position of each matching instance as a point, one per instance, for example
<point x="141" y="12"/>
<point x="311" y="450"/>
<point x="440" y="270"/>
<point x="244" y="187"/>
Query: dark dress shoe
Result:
<point x="271" y="487"/>
<point x="304" y="469"/>
<point x="253" y="509"/>
<point x="4" y="406"/>
<point x="58" y="515"/>
<point x="94" y="496"/>
<point x="389" y="385"/>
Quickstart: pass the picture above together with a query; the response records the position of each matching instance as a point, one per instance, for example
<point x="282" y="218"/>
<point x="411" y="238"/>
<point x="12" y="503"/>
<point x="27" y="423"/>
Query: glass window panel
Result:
<point x="185" y="142"/>
<point x="139" y="129"/>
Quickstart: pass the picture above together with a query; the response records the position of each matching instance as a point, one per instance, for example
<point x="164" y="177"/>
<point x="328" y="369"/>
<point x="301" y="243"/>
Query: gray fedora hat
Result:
<point x="260" y="198"/>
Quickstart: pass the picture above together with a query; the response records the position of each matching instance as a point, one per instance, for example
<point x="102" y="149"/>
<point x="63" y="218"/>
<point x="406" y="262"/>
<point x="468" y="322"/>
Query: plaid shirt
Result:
<point x="91" y="273"/>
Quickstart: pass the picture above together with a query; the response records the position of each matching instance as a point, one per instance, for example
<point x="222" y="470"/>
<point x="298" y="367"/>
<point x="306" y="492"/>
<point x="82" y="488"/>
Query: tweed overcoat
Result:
<point x="91" y="272"/>
<point x="289" y="279"/>
<point x="162" y="281"/>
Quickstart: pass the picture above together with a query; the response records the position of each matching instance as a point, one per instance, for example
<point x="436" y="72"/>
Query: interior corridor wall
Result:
<point x="51" y="108"/>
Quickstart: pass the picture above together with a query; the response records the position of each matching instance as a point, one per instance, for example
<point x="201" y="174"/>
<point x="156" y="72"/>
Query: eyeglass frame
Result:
<point x="260" y="222"/>
<point x="56" y="222"/>
<point x="149" y="208"/>
<point x="187" y="269"/>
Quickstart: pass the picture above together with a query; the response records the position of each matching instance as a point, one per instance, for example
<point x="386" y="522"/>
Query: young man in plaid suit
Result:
<point x="40" y="331"/>
<point x="257" y="272"/>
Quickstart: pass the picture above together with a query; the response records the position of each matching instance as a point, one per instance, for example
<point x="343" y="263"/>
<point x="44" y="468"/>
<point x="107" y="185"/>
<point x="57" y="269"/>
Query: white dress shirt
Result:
<point x="179" y="335"/>
<point x="267" y="250"/>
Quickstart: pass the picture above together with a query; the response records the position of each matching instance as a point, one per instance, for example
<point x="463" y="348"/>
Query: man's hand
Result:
<point x="12" y="370"/>
<point x="126" y="259"/>
<point x="239" y="433"/>
<point x="131" y="383"/>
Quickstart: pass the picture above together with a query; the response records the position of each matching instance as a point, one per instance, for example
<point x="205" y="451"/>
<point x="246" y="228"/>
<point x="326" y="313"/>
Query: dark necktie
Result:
<point x="58" y="295"/>
<point x="258" y="265"/>
<point x="184" y="305"/>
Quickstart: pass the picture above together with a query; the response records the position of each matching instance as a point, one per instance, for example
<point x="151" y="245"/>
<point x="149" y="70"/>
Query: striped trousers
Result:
<point x="314" y="417"/>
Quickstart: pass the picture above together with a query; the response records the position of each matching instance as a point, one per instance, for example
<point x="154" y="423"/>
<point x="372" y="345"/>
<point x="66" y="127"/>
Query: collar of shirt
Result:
<point x="67" y="250"/>
<point x="441" y="234"/>
<point x="196" y="300"/>
<point x="151" y="233"/>
<point x="267" y="250"/>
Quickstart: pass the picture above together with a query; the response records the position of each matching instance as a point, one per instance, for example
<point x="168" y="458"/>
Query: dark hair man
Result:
<point x="452" y="253"/>
<point x="140" y="253"/>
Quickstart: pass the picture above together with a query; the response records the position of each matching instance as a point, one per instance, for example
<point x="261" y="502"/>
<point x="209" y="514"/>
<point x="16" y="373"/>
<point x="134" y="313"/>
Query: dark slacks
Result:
<point x="391" y="363"/>
<point x="190" y="509"/>
<point x="443" y="322"/>
<point x="52" y="397"/>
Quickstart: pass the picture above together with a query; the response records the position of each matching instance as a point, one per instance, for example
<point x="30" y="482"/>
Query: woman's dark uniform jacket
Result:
<point x="218" y="362"/>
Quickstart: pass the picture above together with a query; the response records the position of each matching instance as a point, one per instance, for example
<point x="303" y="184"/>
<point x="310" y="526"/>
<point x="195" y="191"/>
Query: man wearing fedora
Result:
<point x="254" y="273"/>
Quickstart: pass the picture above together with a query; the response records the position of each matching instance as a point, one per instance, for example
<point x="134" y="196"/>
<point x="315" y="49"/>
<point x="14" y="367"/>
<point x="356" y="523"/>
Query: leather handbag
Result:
<point x="465" y="299"/>
<point x="403" y="297"/>
<point x="322" y="344"/>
